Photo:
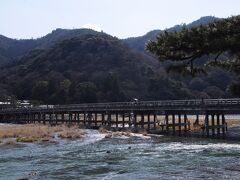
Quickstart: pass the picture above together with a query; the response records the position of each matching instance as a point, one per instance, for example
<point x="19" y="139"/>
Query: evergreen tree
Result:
<point x="219" y="41"/>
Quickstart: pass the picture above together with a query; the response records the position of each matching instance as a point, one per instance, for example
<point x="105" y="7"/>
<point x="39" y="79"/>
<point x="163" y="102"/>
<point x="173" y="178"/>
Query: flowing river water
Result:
<point x="135" y="157"/>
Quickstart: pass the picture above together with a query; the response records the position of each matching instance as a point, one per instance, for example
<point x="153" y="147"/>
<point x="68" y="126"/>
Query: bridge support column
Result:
<point x="117" y="120"/>
<point x="167" y="123"/>
<point x="38" y="117"/>
<point x="130" y="122"/>
<point x="35" y="117"/>
<point x="148" y="122"/>
<point x="32" y="117"/>
<point x="218" y="124"/>
<point x="69" y="118"/>
<point x="173" y="124"/>
<point x="142" y="121"/>
<point x="84" y="118"/>
<point x="207" y="124"/>
<point x="29" y="118"/>
<point x="75" y="118"/>
<point x="103" y="118"/>
<point x="44" y="118"/>
<point x="179" y="124"/>
<point x="224" y="127"/>
<point x="50" y="118"/>
<point x="135" y="119"/>
<point x="109" y="119"/>
<point x="154" y="121"/>
<point x="62" y="118"/>
<point x="123" y="119"/>
<point x="56" y="118"/>
<point x="78" y="118"/>
<point x="197" y="119"/>
<point x="89" y="119"/>
<point x="96" y="119"/>
<point x="185" y="123"/>
<point x="213" y="125"/>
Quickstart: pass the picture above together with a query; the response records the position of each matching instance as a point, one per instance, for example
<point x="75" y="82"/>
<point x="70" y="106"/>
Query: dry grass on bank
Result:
<point x="35" y="132"/>
<point x="233" y="122"/>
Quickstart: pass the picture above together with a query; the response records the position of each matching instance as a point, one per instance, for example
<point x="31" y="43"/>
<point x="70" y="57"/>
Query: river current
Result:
<point x="96" y="157"/>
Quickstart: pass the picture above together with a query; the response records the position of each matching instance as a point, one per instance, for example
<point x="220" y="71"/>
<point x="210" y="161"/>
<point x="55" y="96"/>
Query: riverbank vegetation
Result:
<point x="38" y="132"/>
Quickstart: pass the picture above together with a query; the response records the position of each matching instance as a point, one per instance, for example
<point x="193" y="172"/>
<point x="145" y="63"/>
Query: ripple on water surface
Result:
<point x="95" y="157"/>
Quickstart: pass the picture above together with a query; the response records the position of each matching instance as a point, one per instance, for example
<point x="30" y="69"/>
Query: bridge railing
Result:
<point x="155" y="103"/>
<point x="134" y="105"/>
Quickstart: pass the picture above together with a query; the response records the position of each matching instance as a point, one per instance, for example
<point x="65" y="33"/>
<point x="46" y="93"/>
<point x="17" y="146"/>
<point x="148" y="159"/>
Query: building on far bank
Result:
<point x="15" y="104"/>
<point x="4" y="105"/>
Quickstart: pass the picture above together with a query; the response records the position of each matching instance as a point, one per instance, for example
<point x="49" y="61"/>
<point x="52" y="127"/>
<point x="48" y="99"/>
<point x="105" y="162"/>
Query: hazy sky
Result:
<point x="121" y="18"/>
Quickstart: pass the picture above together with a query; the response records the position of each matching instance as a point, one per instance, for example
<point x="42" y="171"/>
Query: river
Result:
<point x="96" y="157"/>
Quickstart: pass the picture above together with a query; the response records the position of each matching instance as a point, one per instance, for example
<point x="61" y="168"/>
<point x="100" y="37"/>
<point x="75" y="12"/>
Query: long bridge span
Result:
<point x="168" y="116"/>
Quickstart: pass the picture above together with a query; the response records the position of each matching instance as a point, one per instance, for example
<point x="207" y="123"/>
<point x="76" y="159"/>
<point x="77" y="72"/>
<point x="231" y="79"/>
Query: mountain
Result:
<point x="82" y="65"/>
<point x="138" y="43"/>
<point x="12" y="49"/>
<point x="203" y="21"/>
<point x="94" y="67"/>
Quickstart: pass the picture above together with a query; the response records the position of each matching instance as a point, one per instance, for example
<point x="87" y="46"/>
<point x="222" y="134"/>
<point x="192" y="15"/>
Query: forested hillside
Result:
<point x="13" y="50"/>
<point x="82" y="65"/>
<point x="90" y="68"/>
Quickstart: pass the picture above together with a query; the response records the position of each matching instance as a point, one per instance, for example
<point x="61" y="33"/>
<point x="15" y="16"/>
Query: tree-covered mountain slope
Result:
<point x="12" y="49"/>
<point x="90" y="68"/>
<point x="82" y="65"/>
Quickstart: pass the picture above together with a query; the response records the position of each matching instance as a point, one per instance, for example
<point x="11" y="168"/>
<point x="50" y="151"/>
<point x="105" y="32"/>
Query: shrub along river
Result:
<point x="135" y="157"/>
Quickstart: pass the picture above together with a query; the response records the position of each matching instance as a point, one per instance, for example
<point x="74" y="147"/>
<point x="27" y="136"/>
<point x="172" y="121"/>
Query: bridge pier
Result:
<point x="215" y="127"/>
<point x="116" y="120"/>
<point x="224" y="127"/>
<point x="84" y="118"/>
<point x="173" y="124"/>
<point x="129" y="120"/>
<point x="103" y="119"/>
<point x="89" y="120"/>
<point x="218" y="124"/>
<point x="142" y="120"/>
<point x="179" y="124"/>
<point x="123" y="119"/>
<point x="167" y="123"/>
<point x="148" y="122"/>
<point x="50" y="119"/>
<point x="154" y="121"/>
<point x="78" y="118"/>
<point x="109" y="119"/>
<point x="176" y="124"/>
<point x="44" y="118"/>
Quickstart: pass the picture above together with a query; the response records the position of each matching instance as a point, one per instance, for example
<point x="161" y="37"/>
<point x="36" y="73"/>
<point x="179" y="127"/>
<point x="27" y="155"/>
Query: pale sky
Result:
<point x="122" y="18"/>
